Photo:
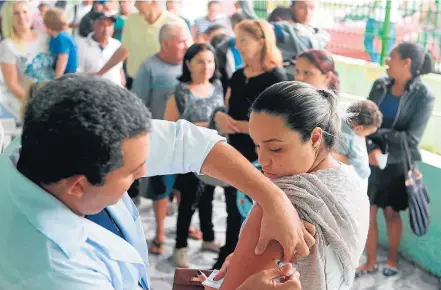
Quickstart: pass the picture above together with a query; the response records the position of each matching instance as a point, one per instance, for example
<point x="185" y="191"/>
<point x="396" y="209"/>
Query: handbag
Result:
<point x="419" y="215"/>
<point x="187" y="279"/>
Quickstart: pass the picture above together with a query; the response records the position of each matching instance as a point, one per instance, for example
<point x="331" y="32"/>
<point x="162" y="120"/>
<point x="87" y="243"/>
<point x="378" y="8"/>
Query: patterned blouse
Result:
<point x="194" y="108"/>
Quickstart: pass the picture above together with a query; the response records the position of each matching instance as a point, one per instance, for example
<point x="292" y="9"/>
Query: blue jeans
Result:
<point x="374" y="28"/>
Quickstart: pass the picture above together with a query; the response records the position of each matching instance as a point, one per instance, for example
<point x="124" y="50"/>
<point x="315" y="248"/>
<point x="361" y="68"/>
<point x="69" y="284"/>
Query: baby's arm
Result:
<point x="358" y="157"/>
<point x="61" y="64"/>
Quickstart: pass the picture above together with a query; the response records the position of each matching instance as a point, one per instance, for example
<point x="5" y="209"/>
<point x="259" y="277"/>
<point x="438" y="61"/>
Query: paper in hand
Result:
<point x="210" y="281"/>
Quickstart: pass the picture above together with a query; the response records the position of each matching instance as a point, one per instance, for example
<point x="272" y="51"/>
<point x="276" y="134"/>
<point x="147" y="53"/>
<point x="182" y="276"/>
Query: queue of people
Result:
<point x="67" y="175"/>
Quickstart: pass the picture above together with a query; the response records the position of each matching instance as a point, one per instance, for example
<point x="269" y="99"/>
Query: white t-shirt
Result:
<point x="81" y="10"/>
<point x="34" y="63"/>
<point x="92" y="57"/>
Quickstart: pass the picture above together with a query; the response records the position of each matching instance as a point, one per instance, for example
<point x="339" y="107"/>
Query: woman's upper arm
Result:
<point x="227" y="97"/>
<point x="245" y="263"/>
<point x="171" y="110"/>
<point x="11" y="77"/>
<point x="10" y="73"/>
<point x="7" y="52"/>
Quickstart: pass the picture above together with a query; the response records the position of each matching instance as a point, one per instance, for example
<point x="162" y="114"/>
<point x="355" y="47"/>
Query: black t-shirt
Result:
<point x="243" y="93"/>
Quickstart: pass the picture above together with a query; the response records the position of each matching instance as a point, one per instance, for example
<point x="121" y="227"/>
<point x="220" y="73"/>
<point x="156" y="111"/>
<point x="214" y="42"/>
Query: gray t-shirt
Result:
<point x="194" y="108"/>
<point x="155" y="83"/>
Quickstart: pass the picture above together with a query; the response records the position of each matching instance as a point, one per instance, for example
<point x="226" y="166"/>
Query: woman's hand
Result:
<point x="373" y="157"/>
<point x="226" y="124"/>
<point x="223" y="270"/>
<point x="265" y="279"/>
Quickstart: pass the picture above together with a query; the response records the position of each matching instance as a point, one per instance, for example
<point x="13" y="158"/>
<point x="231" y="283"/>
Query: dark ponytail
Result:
<point x="332" y="129"/>
<point x="422" y="62"/>
<point x="427" y="66"/>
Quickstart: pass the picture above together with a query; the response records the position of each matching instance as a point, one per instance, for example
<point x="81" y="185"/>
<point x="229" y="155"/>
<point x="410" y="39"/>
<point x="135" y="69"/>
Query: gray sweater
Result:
<point x="335" y="201"/>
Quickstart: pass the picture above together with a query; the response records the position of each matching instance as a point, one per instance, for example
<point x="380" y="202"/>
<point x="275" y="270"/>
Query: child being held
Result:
<point x="364" y="119"/>
<point x="62" y="45"/>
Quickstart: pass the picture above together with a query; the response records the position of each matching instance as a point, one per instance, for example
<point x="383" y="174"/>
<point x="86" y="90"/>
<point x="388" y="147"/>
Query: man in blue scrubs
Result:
<point x="66" y="221"/>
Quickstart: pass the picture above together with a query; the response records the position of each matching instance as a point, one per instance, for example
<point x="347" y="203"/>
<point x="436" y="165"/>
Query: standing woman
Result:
<point x="197" y="95"/>
<point x="262" y="61"/>
<point x="24" y="55"/>
<point x="407" y="104"/>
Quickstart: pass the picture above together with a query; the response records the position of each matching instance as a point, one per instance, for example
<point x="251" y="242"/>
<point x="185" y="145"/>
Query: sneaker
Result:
<point x="211" y="247"/>
<point x="180" y="257"/>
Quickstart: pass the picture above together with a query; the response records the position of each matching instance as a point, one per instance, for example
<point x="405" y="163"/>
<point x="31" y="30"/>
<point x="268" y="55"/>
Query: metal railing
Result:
<point x="368" y="29"/>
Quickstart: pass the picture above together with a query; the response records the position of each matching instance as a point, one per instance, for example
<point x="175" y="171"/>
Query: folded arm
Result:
<point x="417" y="125"/>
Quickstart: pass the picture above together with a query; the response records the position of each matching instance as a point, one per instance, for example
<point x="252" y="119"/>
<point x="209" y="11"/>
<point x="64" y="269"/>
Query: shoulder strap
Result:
<point x="408" y="163"/>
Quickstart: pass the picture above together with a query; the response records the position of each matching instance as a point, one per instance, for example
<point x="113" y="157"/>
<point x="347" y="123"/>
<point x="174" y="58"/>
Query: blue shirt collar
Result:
<point x="45" y="212"/>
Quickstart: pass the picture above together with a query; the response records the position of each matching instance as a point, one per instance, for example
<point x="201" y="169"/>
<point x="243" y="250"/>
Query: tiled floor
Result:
<point x="162" y="268"/>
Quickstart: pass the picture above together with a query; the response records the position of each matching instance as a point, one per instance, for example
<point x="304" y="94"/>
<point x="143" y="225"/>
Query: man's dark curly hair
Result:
<point x="75" y="126"/>
<point x="365" y="113"/>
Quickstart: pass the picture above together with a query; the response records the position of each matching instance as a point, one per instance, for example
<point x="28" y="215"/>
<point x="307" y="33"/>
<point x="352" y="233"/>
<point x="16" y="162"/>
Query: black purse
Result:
<point x="419" y="215"/>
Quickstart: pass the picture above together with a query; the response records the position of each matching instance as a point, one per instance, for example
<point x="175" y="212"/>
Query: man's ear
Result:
<point x="75" y="186"/>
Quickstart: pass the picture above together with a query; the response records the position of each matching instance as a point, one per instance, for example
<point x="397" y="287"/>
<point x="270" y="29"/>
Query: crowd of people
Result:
<point x="86" y="82"/>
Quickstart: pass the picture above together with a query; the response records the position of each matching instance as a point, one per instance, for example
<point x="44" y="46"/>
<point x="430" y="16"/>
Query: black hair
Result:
<point x="218" y="39"/>
<point x="303" y="107"/>
<point x="212" y="28"/>
<point x="213" y="2"/>
<point x="192" y="51"/>
<point x="422" y="62"/>
<point x="283" y="13"/>
<point x="364" y="113"/>
<point x="75" y="125"/>
<point x="237" y="18"/>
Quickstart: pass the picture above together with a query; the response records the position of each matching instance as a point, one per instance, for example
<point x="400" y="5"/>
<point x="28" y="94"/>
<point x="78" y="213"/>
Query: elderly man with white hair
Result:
<point x="154" y="83"/>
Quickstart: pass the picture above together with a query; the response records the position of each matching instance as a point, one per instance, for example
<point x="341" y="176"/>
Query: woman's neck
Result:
<point x="253" y="69"/>
<point x="24" y="35"/>
<point x="324" y="160"/>
<point x="201" y="88"/>
<point x="199" y="82"/>
<point x="398" y="87"/>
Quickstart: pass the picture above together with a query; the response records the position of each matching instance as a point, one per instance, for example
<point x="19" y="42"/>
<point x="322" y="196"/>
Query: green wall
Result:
<point x="424" y="251"/>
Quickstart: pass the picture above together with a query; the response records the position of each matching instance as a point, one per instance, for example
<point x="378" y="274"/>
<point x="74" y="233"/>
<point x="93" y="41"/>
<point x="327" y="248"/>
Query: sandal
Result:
<point x="389" y="271"/>
<point x="156" y="248"/>
<point x="194" y="234"/>
<point x="359" y="273"/>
